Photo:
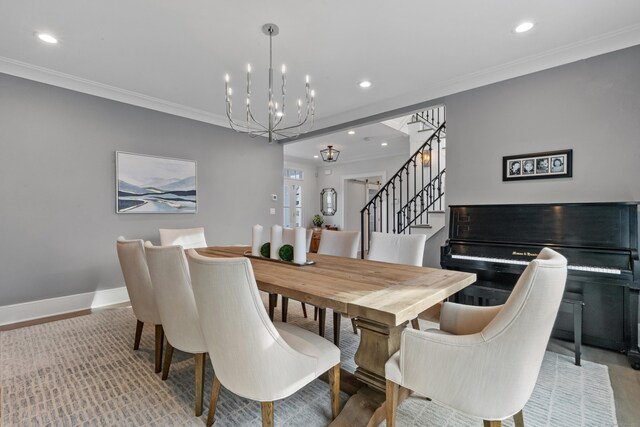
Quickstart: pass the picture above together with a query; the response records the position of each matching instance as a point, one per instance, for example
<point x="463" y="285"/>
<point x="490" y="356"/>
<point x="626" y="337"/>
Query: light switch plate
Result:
<point x="272" y="211"/>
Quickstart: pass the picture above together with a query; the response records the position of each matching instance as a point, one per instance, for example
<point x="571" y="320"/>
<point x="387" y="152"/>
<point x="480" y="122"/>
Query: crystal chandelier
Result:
<point x="274" y="129"/>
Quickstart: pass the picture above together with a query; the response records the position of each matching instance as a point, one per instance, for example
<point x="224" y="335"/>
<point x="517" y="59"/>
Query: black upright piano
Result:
<point x="599" y="240"/>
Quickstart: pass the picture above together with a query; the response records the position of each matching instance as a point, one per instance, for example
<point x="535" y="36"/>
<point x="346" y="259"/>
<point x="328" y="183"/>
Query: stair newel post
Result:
<point x="381" y="212"/>
<point x="430" y="200"/>
<point x="422" y="183"/>
<point x="401" y="204"/>
<point x="415" y="185"/>
<point x="393" y="209"/>
<point x="408" y="210"/>
<point x="386" y="192"/>
<point x="362" y="231"/>
<point x="375" y="216"/>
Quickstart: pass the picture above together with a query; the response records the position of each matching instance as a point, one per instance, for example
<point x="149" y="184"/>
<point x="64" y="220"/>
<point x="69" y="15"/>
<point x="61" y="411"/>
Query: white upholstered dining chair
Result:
<point x="288" y="238"/>
<point x="136" y="278"/>
<point x="399" y="249"/>
<point x="188" y="238"/>
<point x="251" y="356"/>
<point x="337" y="243"/>
<point x="172" y="289"/>
<point x="483" y="361"/>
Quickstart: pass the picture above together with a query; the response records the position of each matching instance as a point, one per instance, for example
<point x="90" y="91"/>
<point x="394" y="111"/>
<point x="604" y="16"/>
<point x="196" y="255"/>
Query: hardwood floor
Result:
<point x="625" y="381"/>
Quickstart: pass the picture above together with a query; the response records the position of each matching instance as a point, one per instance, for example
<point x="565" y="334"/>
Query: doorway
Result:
<point x="357" y="190"/>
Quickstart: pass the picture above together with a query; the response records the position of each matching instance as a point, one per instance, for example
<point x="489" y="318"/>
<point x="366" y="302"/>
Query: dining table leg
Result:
<point x="378" y="342"/>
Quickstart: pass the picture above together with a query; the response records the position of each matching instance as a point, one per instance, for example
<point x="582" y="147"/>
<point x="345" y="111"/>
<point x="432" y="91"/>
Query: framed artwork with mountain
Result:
<point x="153" y="184"/>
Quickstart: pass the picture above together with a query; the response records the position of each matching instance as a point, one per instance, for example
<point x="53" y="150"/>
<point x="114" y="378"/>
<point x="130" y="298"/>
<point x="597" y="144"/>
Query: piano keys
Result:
<point x="599" y="240"/>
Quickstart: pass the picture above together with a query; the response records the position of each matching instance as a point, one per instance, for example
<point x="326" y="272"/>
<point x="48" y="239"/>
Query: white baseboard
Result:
<point x="50" y="307"/>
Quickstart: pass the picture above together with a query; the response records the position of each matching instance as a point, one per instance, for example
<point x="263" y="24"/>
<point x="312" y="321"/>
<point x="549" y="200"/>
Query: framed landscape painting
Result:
<point x="152" y="184"/>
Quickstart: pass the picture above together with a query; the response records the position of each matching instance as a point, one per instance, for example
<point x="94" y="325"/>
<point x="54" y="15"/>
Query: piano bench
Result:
<point x="573" y="304"/>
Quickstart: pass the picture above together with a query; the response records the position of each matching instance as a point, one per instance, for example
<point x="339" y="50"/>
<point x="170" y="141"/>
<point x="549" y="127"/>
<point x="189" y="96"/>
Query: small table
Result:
<point x="382" y="298"/>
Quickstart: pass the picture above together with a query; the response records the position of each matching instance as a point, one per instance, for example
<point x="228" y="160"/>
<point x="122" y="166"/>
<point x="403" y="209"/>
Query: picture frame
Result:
<point x="155" y="184"/>
<point x="543" y="165"/>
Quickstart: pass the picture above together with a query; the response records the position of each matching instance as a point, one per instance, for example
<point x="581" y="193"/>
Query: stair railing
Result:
<point x="416" y="210"/>
<point x="381" y="214"/>
<point x="433" y="116"/>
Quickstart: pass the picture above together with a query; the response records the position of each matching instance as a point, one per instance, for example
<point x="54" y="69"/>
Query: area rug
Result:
<point x="83" y="372"/>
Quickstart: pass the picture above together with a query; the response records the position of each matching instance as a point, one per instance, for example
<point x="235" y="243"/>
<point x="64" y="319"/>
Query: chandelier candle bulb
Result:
<point x="276" y="241"/>
<point x="256" y="241"/>
<point x="274" y="128"/>
<point x="300" y="246"/>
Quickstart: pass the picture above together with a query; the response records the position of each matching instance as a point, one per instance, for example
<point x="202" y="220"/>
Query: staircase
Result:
<point x="412" y="201"/>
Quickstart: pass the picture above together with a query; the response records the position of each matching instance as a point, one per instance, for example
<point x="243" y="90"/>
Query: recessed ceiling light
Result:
<point x="384" y="144"/>
<point x="524" y="27"/>
<point x="316" y="156"/>
<point x="352" y="132"/>
<point x="365" y="84"/>
<point x="47" y="38"/>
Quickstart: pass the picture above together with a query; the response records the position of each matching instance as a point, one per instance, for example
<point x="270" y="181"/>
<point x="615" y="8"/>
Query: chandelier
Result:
<point x="275" y="128"/>
<point x="329" y="154"/>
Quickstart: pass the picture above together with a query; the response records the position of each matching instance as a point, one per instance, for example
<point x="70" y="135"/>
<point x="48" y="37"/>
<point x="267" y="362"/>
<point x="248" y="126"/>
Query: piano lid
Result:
<point x="594" y="225"/>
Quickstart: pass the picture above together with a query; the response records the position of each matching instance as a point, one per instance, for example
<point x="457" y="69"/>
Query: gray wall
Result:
<point x="57" y="186"/>
<point x="591" y="106"/>
<point x="339" y="170"/>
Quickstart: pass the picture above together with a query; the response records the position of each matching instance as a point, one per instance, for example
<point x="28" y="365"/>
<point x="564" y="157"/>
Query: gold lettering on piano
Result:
<point x="532" y="254"/>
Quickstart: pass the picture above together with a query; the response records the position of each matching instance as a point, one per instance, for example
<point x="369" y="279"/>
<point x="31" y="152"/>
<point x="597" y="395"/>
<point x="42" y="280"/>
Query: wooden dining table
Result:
<point x="381" y="297"/>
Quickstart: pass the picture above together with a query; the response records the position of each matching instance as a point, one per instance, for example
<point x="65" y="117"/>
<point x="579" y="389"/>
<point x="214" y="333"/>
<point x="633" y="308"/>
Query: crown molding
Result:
<point x="77" y="84"/>
<point x="420" y="98"/>
<point x="594" y="46"/>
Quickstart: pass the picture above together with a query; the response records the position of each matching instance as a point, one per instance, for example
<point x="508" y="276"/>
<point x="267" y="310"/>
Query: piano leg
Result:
<point x="633" y="353"/>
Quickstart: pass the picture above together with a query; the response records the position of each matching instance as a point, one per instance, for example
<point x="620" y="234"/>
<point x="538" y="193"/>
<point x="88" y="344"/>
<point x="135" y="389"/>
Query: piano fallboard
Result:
<point x="583" y="264"/>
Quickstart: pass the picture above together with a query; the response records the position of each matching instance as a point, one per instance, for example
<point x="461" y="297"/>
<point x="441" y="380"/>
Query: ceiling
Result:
<point x="171" y="56"/>
<point x="364" y="144"/>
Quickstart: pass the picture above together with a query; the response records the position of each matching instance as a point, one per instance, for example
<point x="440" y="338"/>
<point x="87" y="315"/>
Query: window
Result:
<point x="293" y="174"/>
<point x="292" y="200"/>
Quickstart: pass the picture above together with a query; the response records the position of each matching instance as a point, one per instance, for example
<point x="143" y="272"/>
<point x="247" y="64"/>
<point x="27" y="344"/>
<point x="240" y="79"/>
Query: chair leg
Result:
<point x="159" y="342"/>
<point x="334" y="385"/>
<point x="215" y="391"/>
<point x="200" y="359"/>
<point x="492" y="423"/>
<point x="136" y="341"/>
<point x="167" y="361"/>
<point x="337" y="318"/>
<point x="353" y="325"/>
<point x="391" y="403"/>
<point x="267" y="414"/>
<point x="273" y="300"/>
<point x="322" y="312"/>
<point x="304" y="310"/>
<point x="285" y="308"/>
<point x="415" y="323"/>
<point x="518" y="419"/>
<point x="315" y="313"/>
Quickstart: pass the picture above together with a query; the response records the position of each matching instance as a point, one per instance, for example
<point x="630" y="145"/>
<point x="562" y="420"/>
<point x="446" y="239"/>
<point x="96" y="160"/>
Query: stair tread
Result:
<point x="421" y="226"/>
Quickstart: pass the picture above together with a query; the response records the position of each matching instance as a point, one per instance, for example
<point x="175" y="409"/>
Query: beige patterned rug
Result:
<point x="83" y="372"/>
